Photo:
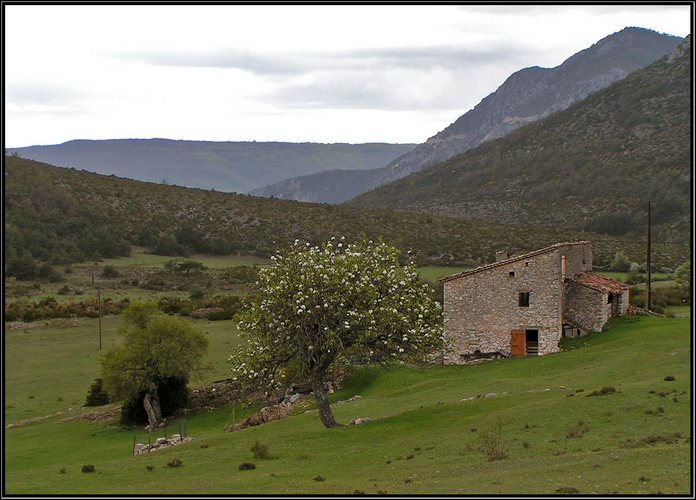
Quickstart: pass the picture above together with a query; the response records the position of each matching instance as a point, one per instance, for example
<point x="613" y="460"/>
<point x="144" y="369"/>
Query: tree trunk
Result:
<point x="323" y="406"/>
<point x="152" y="408"/>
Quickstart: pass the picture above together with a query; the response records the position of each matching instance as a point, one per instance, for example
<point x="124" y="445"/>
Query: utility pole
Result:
<point x="99" y="311"/>
<point x="648" y="295"/>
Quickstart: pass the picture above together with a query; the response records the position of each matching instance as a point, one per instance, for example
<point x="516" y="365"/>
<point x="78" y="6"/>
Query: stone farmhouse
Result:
<point x="523" y="305"/>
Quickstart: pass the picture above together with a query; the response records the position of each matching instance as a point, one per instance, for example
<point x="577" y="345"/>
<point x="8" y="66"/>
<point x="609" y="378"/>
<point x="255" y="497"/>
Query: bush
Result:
<point x="96" y="395"/>
<point x="260" y="451"/>
<point x="110" y="271"/>
<point x="197" y="293"/>
<point x="620" y="263"/>
<point x="88" y="468"/>
<point x="604" y="391"/>
<point x="174" y="463"/>
<point x="492" y="444"/>
<point x="247" y="466"/>
<point x="567" y="490"/>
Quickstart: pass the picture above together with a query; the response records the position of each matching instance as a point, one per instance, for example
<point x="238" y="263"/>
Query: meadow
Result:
<point x="428" y="433"/>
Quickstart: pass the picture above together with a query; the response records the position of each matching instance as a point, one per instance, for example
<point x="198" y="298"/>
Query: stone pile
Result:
<point x="159" y="444"/>
<point x="268" y="413"/>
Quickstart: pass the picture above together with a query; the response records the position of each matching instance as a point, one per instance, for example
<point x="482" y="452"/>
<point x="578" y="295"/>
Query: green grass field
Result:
<point x="140" y="258"/>
<point x="50" y="368"/>
<point x="434" y="273"/>
<point x="425" y="433"/>
<point x="656" y="277"/>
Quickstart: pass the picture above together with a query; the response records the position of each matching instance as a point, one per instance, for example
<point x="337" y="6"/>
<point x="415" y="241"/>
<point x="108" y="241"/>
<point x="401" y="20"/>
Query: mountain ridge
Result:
<point x="232" y="166"/>
<point x="527" y="95"/>
<point x="594" y="165"/>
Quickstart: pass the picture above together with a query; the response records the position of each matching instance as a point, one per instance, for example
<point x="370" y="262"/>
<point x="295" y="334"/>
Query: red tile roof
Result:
<point x="512" y="259"/>
<point x="599" y="282"/>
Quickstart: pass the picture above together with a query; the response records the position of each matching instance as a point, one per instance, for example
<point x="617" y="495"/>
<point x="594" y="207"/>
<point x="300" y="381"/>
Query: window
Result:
<point x="512" y="274"/>
<point x="610" y="298"/>
<point x="524" y="299"/>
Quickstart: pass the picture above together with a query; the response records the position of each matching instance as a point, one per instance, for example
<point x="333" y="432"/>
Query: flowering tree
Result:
<point x="325" y="306"/>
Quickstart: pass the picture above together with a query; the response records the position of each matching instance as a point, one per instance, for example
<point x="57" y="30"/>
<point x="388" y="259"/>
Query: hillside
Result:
<point x="593" y="166"/>
<point x="224" y="166"/>
<point x="526" y="96"/>
<point x="64" y="215"/>
<point x="330" y="186"/>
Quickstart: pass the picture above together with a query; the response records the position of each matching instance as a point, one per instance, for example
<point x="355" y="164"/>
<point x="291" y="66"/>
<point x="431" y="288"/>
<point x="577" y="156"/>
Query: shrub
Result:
<point x="620" y="263"/>
<point x="576" y="431"/>
<point x="669" y="378"/>
<point x="492" y="443"/>
<point x="247" y="466"/>
<point x="88" y="468"/>
<point x="96" y="395"/>
<point x="604" y="391"/>
<point x="567" y="490"/>
<point x="197" y="293"/>
<point x="174" y="463"/>
<point x="110" y="271"/>
<point x="319" y="478"/>
<point x="260" y="451"/>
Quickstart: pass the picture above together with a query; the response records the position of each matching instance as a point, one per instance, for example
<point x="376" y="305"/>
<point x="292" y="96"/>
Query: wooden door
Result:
<point x="518" y="343"/>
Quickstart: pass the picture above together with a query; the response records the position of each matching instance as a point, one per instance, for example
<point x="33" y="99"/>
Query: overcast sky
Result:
<point x="281" y="73"/>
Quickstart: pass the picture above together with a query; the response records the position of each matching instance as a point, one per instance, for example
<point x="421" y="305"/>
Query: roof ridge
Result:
<point x="492" y="265"/>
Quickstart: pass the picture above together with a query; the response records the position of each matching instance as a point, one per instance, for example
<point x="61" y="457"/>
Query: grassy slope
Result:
<point x="419" y="412"/>
<point x="61" y="359"/>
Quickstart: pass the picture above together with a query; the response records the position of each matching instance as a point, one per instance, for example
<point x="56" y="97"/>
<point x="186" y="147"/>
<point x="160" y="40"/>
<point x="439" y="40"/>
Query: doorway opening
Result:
<point x="532" y="342"/>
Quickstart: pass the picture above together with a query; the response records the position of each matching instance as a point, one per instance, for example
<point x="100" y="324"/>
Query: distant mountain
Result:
<point x="330" y="186"/>
<point x="526" y="96"/>
<point x="224" y="166"/>
<point x="61" y="215"/>
<point x="593" y="166"/>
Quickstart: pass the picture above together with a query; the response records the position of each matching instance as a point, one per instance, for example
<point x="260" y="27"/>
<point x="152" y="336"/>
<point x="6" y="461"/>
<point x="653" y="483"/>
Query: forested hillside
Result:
<point x="593" y="166"/>
<point x="60" y="215"/>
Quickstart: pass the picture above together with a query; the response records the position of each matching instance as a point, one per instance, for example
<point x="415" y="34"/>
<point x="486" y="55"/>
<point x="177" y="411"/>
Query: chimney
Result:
<point x="501" y="255"/>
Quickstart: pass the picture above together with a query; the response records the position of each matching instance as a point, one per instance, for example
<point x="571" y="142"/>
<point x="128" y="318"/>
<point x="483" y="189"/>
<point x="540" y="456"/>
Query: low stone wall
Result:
<point x="160" y="443"/>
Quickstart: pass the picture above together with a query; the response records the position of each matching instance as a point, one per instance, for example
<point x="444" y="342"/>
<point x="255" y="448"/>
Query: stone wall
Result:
<point x="481" y="309"/>
<point x="623" y="303"/>
<point x="586" y="307"/>
<point x="578" y="258"/>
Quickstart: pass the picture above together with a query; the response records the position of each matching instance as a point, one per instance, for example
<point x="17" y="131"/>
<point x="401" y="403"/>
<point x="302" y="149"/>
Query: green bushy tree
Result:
<point x="620" y="263"/>
<point x="325" y="306"/>
<point x="154" y="349"/>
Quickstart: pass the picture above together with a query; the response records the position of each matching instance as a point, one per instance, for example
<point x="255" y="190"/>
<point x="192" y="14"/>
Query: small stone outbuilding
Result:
<point x="523" y="305"/>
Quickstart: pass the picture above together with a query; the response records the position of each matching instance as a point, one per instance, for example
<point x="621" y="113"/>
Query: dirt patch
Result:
<point x="108" y="414"/>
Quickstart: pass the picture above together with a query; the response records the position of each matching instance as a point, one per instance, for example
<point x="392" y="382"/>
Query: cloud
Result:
<point x="41" y="99"/>
<point x="43" y="94"/>
<point x="385" y="78"/>
<point x="302" y="62"/>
